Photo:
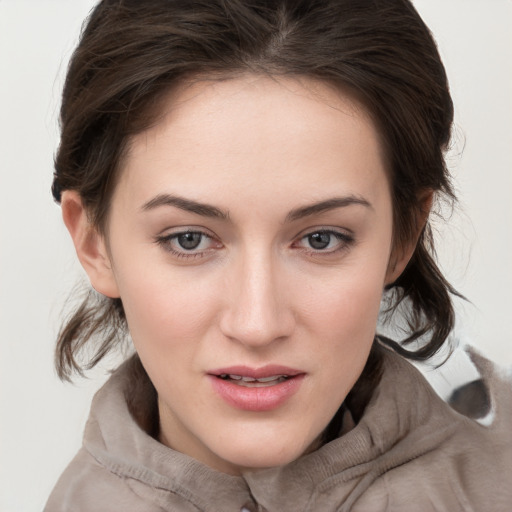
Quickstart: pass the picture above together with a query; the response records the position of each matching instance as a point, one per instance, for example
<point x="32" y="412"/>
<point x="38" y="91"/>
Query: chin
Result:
<point x="265" y="454"/>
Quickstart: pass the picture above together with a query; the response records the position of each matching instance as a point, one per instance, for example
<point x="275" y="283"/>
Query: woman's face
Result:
<point x="250" y="239"/>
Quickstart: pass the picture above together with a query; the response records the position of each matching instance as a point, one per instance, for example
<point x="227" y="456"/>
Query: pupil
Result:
<point x="189" y="241"/>
<point x="319" y="240"/>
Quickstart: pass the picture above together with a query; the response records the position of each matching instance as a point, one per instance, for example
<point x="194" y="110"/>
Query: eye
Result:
<point x="188" y="244"/>
<point x="320" y="240"/>
<point x="324" y="240"/>
<point x="190" y="240"/>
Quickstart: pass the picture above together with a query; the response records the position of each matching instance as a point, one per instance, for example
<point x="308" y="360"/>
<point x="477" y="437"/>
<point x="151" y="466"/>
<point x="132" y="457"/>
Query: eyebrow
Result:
<point x="203" y="209"/>
<point x="207" y="210"/>
<point x="328" y="204"/>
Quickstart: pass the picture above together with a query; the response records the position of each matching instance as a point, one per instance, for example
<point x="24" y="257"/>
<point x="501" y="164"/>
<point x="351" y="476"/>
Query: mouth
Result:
<point x="261" y="389"/>
<point x="251" y="382"/>
<point x="268" y="375"/>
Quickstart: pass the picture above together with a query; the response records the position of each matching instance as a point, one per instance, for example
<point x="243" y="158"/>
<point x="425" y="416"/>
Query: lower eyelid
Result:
<point x="343" y="241"/>
<point x="165" y="241"/>
<point x="168" y="241"/>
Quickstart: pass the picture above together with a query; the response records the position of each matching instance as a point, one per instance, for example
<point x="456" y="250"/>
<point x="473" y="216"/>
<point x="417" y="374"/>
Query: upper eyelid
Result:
<point x="169" y="232"/>
<point x="345" y="239"/>
<point x="167" y="236"/>
<point x="166" y="242"/>
<point x="325" y="229"/>
<point x="173" y="232"/>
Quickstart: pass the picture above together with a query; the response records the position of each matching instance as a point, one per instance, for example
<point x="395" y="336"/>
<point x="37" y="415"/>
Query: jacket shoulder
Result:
<point x="472" y="468"/>
<point x="87" y="486"/>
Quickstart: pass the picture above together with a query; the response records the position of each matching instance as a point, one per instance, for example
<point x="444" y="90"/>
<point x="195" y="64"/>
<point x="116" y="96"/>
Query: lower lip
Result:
<point x="256" y="399"/>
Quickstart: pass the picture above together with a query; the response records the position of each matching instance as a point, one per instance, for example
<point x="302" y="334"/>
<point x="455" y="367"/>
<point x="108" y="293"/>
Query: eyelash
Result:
<point x="165" y="242"/>
<point x="345" y="240"/>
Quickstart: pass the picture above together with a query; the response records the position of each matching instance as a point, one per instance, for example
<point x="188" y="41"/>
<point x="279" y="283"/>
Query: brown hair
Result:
<point x="131" y="53"/>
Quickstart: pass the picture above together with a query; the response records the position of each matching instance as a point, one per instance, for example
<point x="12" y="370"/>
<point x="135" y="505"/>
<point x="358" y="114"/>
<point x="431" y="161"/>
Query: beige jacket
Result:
<point x="410" y="452"/>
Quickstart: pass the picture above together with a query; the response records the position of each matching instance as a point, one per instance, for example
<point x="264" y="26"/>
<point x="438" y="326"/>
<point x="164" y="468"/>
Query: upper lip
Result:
<point x="257" y="373"/>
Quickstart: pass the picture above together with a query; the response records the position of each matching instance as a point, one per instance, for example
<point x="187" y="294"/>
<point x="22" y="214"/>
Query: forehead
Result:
<point x="258" y="133"/>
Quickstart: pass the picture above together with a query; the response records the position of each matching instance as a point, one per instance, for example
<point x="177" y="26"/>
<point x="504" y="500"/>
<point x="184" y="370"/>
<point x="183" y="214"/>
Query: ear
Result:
<point x="400" y="256"/>
<point x="90" y="245"/>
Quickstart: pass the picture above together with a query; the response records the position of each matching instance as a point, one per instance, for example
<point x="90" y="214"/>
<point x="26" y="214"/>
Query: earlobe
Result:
<point x="401" y="256"/>
<point x="89" y="244"/>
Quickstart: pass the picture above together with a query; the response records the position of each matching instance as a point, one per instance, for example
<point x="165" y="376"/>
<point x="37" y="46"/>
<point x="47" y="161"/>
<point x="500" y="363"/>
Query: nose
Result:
<point x="257" y="307"/>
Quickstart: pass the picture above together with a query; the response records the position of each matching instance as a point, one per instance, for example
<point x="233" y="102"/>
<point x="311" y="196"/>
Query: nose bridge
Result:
<point x="258" y="311"/>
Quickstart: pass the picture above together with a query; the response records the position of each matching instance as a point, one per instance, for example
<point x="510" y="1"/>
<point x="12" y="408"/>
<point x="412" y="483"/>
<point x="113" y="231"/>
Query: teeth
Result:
<point x="269" y="379"/>
<point x="251" y="380"/>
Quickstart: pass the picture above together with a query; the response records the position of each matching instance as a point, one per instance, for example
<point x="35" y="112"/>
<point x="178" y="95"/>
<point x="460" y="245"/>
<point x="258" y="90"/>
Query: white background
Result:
<point x="41" y="418"/>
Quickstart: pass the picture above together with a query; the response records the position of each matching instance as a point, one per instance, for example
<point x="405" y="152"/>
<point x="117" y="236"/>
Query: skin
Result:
<point x="255" y="291"/>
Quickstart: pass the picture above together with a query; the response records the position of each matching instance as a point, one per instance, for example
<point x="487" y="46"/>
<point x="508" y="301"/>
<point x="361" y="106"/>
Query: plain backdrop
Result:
<point x="41" y="418"/>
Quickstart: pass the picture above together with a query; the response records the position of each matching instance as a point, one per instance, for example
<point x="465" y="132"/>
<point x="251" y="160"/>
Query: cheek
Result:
<point x="341" y="316"/>
<point x="164" y="307"/>
<point x="349" y="295"/>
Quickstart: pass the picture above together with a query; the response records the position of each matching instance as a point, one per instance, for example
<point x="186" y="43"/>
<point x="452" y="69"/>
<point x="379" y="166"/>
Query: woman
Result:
<point x="242" y="181"/>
